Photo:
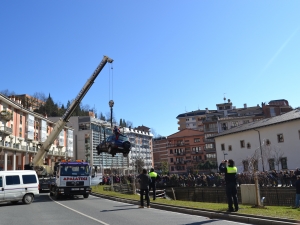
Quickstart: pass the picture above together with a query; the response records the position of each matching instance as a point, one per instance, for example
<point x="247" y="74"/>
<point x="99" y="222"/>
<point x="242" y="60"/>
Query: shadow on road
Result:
<point x="202" y="222"/>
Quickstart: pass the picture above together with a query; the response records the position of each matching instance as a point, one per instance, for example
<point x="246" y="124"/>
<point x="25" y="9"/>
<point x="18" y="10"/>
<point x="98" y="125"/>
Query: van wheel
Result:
<point x="51" y="193"/>
<point x="27" y="199"/>
<point x="86" y="195"/>
<point x="14" y="202"/>
<point x="57" y="195"/>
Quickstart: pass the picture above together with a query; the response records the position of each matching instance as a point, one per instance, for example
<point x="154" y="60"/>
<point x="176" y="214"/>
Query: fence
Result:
<point x="273" y="196"/>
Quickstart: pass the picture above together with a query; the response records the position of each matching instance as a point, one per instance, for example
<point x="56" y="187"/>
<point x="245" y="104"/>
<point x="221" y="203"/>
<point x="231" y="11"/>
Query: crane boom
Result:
<point x="44" y="148"/>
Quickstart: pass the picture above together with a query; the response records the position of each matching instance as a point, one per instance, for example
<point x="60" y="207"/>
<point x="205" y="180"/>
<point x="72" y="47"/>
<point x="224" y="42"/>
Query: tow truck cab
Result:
<point x="71" y="178"/>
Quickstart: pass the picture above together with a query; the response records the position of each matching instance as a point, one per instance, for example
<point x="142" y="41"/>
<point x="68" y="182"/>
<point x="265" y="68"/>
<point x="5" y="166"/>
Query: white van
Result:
<point x="17" y="185"/>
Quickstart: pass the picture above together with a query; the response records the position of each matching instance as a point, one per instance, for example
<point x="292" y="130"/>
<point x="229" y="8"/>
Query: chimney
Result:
<point x="245" y="106"/>
<point x="206" y="110"/>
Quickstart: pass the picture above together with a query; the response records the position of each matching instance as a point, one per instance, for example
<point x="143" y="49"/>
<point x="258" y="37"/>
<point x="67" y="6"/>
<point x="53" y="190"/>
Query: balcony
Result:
<point x="179" y="153"/>
<point x="199" y="152"/>
<point x="206" y="129"/>
<point x="178" y="144"/>
<point x="179" y="162"/>
<point x="210" y="150"/>
<point x="209" y="140"/>
<point x="5" y="130"/>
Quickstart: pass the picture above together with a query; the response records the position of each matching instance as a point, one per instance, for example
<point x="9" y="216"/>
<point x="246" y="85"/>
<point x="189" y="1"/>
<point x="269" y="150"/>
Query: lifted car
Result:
<point x="113" y="146"/>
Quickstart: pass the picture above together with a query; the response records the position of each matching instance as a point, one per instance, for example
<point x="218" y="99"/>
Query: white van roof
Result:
<point x="21" y="172"/>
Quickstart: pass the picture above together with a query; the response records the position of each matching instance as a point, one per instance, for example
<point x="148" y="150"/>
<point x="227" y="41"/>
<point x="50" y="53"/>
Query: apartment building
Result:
<point x="21" y="132"/>
<point x="186" y="150"/>
<point x="160" y="152"/>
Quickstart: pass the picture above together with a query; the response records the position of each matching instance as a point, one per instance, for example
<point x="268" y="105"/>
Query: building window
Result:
<point x="245" y="165"/>
<point x="280" y="138"/>
<point x="248" y="145"/>
<point x="223" y="147"/>
<point x="171" y="160"/>
<point x="171" y="151"/>
<point x="209" y="146"/>
<point x="172" y="168"/>
<point x="242" y="142"/>
<point x="283" y="162"/>
<point x="255" y="165"/>
<point x="197" y="140"/>
<point x="229" y="148"/>
<point x="234" y="124"/>
<point x="268" y="142"/>
<point x="20" y="132"/>
<point x="271" y="164"/>
<point x="272" y="112"/>
<point x="21" y="119"/>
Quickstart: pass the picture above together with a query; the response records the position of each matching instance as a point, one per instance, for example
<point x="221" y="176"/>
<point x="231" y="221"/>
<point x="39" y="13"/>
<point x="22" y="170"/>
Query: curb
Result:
<point x="211" y="214"/>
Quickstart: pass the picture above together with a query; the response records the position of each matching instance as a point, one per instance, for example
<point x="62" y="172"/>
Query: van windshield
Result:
<point x="74" y="170"/>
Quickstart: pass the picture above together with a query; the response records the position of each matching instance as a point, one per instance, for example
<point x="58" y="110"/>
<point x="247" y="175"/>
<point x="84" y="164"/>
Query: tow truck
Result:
<point x="64" y="184"/>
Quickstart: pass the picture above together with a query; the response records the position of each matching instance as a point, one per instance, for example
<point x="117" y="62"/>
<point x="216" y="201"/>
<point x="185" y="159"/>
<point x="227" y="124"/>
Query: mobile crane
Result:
<point x="61" y="183"/>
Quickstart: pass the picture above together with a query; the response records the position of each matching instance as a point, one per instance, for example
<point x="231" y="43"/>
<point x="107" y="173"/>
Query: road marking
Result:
<point x="92" y="218"/>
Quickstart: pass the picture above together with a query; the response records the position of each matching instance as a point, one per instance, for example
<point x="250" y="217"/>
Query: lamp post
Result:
<point x="111" y="105"/>
<point x="262" y="158"/>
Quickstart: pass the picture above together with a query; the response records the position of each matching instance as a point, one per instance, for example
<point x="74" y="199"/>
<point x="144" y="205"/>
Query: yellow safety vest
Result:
<point x="153" y="174"/>
<point x="231" y="169"/>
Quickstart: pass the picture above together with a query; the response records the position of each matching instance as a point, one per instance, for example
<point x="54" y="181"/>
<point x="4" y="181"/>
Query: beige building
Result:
<point x="21" y="132"/>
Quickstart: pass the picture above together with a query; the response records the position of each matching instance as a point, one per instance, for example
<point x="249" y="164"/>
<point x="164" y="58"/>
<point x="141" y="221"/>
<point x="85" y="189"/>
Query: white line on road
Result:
<point x="92" y="218"/>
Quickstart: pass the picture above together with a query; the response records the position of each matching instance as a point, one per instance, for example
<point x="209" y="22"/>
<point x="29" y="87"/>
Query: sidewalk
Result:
<point x="211" y="214"/>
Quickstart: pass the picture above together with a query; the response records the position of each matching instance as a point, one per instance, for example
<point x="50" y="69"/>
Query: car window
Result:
<point x="123" y="138"/>
<point x="11" y="180"/>
<point x="0" y="181"/>
<point x="29" y="179"/>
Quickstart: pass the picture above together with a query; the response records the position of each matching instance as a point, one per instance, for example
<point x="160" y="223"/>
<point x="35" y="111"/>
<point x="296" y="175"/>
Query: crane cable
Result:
<point x="111" y="83"/>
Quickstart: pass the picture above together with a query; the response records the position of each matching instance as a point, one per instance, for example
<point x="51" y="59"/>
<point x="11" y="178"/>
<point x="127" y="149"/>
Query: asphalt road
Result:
<point x="94" y="210"/>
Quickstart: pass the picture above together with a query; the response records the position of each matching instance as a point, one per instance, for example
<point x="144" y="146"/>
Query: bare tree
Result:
<point x="7" y="93"/>
<point x="129" y="123"/>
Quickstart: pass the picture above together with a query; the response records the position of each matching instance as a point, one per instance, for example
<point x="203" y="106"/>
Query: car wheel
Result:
<point x="57" y="195"/>
<point x="27" y="199"/>
<point x="86" y="195"/>
<point x="126" y="145"/>
<point x="109" y="149"/>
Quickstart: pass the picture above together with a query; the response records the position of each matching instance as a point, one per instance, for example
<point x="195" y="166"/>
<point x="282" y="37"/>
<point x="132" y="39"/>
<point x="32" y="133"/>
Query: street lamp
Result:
<point x="111" y="105"/>
<point x="262" y="159"/>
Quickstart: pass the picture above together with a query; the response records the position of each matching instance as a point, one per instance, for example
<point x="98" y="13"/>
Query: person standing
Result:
<point x="154" y="177"/>
<point x="145" y="181"/>
<point x="230" y="171"/>
<point x="297" y="186"/>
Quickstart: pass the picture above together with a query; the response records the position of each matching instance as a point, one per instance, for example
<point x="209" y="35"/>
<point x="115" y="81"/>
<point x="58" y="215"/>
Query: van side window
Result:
<point x="12" y="180"/>
<point x="0" y="181"/>
<point x="29" y="179"/>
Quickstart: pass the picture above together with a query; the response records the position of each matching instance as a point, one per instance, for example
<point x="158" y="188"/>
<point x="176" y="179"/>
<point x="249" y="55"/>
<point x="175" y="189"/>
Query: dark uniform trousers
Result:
<point x="231" y="192"/>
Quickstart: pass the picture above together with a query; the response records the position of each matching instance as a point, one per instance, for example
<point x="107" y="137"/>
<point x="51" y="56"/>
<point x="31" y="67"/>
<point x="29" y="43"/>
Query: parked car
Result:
<point x="112" y="145"/>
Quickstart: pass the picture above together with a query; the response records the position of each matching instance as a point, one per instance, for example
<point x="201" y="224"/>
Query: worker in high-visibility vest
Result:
<point x="154" y="177"/>
<point x="227" y="167"/>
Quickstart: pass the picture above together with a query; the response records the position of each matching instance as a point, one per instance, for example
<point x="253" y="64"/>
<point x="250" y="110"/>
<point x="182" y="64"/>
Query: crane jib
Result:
<point x="37" y="160"/>
<point x="85" y="88"/>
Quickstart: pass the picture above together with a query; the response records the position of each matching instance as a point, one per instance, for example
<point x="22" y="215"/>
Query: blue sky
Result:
<point x="169" y="56"/>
